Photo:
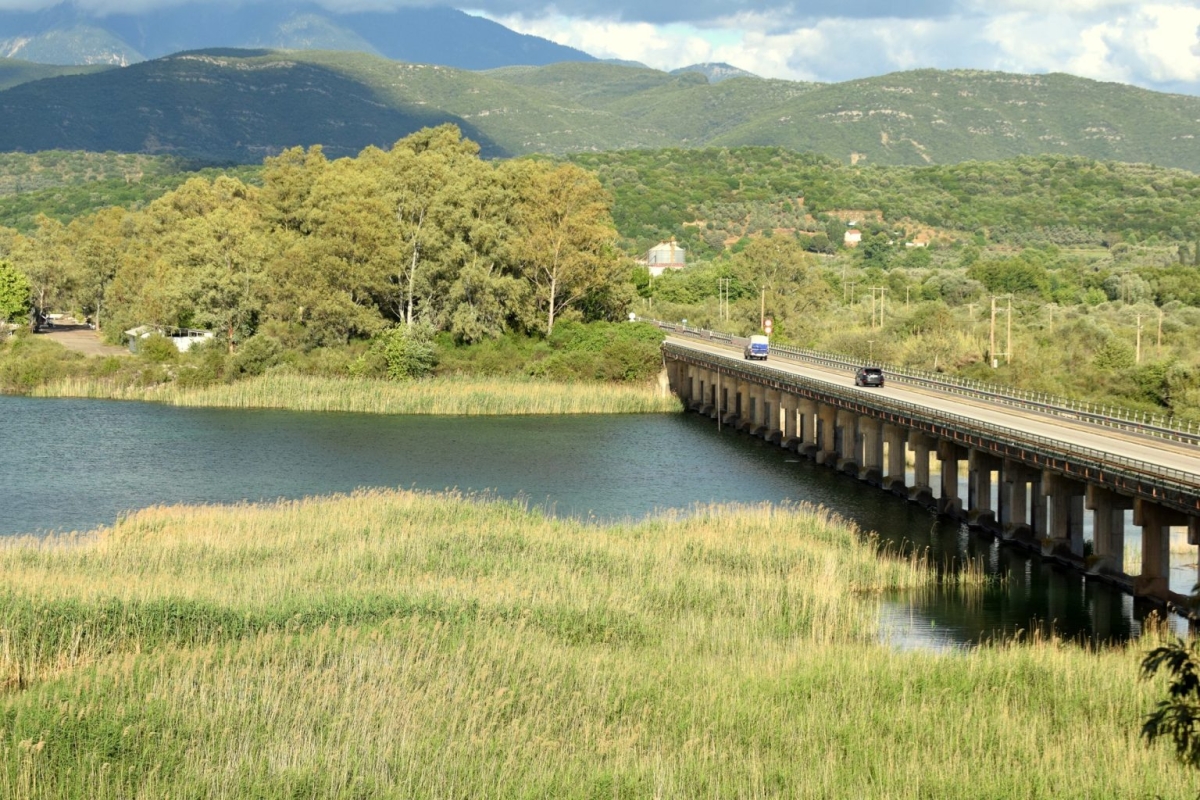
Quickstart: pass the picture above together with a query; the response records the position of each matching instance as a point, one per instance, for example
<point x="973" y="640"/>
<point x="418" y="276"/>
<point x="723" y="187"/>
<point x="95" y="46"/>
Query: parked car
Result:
<point x="868" y="376"/>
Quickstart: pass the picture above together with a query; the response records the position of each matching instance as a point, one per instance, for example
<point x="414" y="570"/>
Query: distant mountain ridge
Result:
<point x="715" y="71"/>
<point x="223" y="105"/>
<point x="68" y="34"/>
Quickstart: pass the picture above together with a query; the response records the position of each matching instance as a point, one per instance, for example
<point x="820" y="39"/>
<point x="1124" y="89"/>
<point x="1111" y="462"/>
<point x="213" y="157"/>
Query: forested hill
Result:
<point x="238" y="106"/>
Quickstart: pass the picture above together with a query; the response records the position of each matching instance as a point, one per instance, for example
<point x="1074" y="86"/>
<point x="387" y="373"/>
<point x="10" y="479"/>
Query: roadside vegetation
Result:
<point x="426" y="260"/>
<point x="430" y="645"/>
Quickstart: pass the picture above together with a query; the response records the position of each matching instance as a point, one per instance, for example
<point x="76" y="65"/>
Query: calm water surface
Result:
<point x="78" y="464"/>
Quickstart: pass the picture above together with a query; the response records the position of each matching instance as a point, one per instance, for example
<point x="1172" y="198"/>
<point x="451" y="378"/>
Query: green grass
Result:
<point x="397" y="644"/>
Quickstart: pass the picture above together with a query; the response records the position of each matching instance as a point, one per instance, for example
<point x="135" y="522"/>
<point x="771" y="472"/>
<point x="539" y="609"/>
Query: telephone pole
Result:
<point x="1138" y="357"/>
<point x="992" y="337"/>
<point x="1008" y="338"/>
<point x="881" y="290"/>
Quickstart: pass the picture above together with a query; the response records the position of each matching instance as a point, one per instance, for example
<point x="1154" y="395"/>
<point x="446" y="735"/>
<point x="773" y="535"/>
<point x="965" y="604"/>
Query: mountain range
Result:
<point x="70" y="34"/>
<point x="239" y="106"/>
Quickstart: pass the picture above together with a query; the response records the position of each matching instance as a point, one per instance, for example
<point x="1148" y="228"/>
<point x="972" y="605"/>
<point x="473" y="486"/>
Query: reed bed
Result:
<point x="460" y="396"/>
<point x="401" y="644"/>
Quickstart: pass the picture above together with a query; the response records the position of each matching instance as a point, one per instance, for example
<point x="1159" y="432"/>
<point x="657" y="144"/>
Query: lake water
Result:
<point x="78" y="464"/>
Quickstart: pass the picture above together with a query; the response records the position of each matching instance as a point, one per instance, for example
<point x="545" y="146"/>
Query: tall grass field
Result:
<point x="410" y="645"/>
<point x="458" y="396"/>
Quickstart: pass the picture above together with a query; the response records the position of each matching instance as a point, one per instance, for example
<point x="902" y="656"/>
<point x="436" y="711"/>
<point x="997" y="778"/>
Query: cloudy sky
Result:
<point x="1155" y="44"/>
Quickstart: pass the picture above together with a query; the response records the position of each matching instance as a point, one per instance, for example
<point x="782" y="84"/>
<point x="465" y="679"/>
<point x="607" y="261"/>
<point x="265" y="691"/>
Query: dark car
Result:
<point x="868" y="376"/>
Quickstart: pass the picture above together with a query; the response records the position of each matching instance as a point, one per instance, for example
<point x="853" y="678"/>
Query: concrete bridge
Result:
<point x="1028" y="477"/>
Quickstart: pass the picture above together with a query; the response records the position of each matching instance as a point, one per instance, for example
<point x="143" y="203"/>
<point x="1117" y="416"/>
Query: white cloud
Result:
<point x="1155" y="46"/>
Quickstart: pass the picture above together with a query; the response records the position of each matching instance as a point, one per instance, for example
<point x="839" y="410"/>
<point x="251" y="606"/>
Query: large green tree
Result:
<point x="564" y="243"/>
<point x="15" y="290"/>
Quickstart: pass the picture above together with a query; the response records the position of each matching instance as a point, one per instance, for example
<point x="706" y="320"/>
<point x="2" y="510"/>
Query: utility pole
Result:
<point x="992" y="336"/>
<point x="762" y="310"/>
<point x="1158" y="345"/>
<point x="881" y="290"/>
<point x="1008" y="339"/>
<point x="1138" y="357"/>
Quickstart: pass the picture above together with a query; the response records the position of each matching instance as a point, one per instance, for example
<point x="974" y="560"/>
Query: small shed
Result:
<point x="852" y="237"/>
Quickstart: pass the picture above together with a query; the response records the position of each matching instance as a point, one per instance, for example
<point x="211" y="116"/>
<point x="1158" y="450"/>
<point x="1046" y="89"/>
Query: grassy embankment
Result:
<point x="392" y="644"/>
<point x="457" y="396"/>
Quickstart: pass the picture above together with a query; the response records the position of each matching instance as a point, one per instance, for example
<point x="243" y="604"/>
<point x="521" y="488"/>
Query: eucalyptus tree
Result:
<point x="564" y="237"/>
<point x="197" y="257"/>
<point x="98" y="244"/>
<point x="45" y="259"/>
<point x="330" y="270"/>
<point x="430" y="177"/>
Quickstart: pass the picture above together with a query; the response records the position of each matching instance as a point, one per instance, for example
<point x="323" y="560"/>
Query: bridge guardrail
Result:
<point x="1107" y="416"/>
<point x="1166" y="478"/>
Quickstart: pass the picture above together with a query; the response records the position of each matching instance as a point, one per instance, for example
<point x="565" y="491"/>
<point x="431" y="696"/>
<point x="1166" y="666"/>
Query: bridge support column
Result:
<point x="949" y="502"/>
<point x="826" y="433"/>
<point x="921" y="491"/>
<point x="703" y="404"/>
<point x="774" y="432"/>
<point x="1156" y="522"/>
<point x="789" y="403"/>
<point x="738" y="404"/>
<point x="1108" y="530"/>
<point x="676" y="377"/>
<point x="758" y="409"/>
<point x="871" y="469"/>
<point x="850" y="444"/>
<point x="808" y="428"/>
<point x="894" y="477"/>
<point x="1064" y="533"/>
<point x="979" y="490"/>
<point x="1014" y="500"/>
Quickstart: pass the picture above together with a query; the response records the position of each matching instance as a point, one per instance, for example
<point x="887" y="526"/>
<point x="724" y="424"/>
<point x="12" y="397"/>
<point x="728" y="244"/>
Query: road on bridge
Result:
<point x="1125" y="444"/>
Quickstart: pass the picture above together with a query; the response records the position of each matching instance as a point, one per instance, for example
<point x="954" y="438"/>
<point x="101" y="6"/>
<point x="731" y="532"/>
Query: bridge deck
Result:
<point x="1169" y="455"/>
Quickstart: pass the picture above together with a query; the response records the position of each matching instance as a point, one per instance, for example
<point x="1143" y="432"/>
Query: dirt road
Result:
<point x="81" y="339"/>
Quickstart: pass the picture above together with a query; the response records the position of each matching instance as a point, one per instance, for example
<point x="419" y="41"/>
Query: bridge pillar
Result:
<point x="921" y="491"/>
<point x="695" y="394"/>
<point x="774" y="430"/>
<point x="871" y="469"/>
<point x="738" y="405"/>
<point x="703" y="403"/>
<point x="789" y="403"/>
<point x="949" y="502"/>
<point x="1064" y="532"/>
<point x="1156" y="522"/>
<point x="894" y="478"/>
<point x="1014" y="500"/>
<point x="849" y="441"/>
<point x="762" y="410"/>
<point x="755" y="415"/>
<point x="826" y="433"/>
<point x="1108" y="529"/>
<point x="808" y="428"/>
<point x="980" y="467"/>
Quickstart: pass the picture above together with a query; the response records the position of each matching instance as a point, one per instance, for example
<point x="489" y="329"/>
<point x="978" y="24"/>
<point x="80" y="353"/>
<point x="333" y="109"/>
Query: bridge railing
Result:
<point x="1109" y="416"/>
<point x="1083" y="458"/>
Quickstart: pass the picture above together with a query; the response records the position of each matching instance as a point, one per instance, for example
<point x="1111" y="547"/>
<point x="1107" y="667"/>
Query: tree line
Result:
<point x="425" y="234"/>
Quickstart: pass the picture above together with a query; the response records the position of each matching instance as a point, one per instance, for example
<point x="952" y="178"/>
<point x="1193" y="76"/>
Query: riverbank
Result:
<point x="457" y="396"/>
<point x="398" y="644"/>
